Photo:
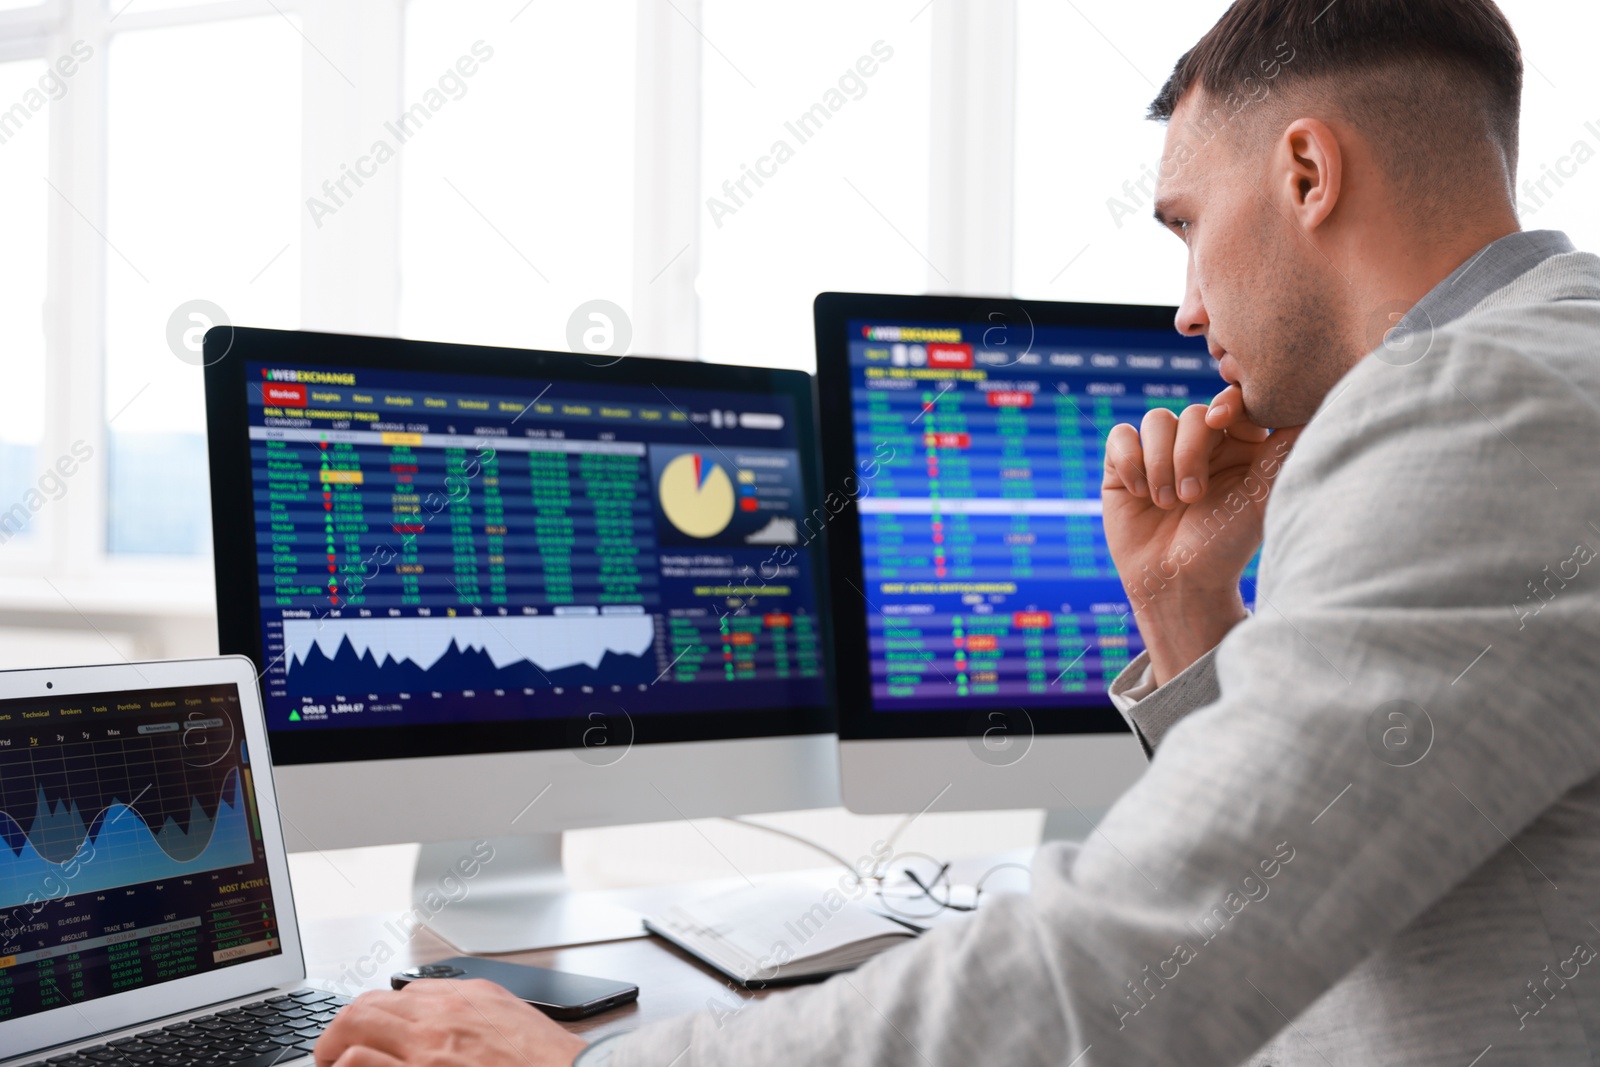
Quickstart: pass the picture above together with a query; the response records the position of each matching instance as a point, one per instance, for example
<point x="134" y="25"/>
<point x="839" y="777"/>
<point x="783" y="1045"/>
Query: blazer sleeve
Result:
<point x="1284" y="831"/>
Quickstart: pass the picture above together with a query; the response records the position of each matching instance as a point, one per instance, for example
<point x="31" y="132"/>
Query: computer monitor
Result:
<point x="499" y="594"/>
<point x="978" y="614"/>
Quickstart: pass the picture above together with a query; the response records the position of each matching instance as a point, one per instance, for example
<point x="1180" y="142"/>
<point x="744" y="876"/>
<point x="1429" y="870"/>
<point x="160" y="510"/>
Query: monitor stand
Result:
<point x="517" y="901"/>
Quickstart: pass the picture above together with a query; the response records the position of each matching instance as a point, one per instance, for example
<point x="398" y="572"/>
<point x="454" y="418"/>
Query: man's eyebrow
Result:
<point x="1161" y="213"/>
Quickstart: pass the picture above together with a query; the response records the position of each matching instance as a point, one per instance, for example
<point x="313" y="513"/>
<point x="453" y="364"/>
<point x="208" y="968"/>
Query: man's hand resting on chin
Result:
<point x="443" y="1022"/>
<point x="1184" y="497"/>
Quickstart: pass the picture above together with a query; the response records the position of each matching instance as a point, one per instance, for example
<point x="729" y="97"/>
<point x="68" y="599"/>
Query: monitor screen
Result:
<point x="130" y="847"/>
<point x="468" y="555"/>
<point x="979" y="450"/>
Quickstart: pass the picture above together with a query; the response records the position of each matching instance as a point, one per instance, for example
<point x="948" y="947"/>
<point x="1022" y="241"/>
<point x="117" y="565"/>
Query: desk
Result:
<point x="342" y="954"/>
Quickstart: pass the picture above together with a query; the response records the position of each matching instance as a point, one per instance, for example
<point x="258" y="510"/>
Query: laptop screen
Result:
<point x="130" y="847"/>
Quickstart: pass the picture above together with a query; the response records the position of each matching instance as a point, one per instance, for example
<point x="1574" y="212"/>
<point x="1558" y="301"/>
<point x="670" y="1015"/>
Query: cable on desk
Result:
<point x="799" y="839"/>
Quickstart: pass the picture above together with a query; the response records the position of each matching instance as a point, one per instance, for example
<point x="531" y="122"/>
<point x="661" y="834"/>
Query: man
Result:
<point x="1368" y="833"/>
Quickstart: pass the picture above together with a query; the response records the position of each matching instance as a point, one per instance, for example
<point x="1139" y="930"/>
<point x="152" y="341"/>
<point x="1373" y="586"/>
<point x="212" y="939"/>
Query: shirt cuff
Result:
<point x="1135" y="682"/>
<point x="1152" y="710"/>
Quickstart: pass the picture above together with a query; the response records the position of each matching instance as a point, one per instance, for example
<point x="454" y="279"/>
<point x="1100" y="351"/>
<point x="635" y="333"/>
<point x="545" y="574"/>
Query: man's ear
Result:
<point x="1312" y="171"/>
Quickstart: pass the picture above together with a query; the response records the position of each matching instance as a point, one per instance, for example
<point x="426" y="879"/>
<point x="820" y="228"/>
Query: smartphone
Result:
<point x="556" y="993"/>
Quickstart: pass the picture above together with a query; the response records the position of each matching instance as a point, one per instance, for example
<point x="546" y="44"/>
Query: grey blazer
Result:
<point x="1370" y="832"/>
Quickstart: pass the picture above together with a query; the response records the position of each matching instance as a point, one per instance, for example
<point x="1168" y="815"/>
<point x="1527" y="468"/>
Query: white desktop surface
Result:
<point x="336" y="883"/>
<point x="382" y="880"/>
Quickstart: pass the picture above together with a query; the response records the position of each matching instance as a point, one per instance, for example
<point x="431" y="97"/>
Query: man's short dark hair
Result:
<point x="1419" y="76"/>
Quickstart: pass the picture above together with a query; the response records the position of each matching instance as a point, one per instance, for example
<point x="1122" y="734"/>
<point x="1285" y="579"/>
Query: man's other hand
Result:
<point x="1184" y="497"/>
<point x="444" y="1022"/>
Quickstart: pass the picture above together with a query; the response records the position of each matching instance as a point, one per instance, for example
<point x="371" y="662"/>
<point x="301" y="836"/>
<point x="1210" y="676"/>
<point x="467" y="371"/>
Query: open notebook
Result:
<point x="767" y="934"/>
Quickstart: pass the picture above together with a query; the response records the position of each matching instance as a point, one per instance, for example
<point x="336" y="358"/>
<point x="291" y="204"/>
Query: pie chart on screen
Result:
<point x="696" y="495"/>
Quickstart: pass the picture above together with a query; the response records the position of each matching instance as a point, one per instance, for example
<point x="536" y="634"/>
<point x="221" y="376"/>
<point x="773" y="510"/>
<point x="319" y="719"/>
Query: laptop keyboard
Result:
<point x="252" y="1035"/>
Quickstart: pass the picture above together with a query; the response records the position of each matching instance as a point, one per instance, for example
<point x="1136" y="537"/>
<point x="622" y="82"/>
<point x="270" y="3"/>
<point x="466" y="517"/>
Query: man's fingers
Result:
<point x="1158" y="433"/>
<point x="361" y="1056"/>
<point x="1227" y="413"/>
<point x="432" y="1022"/>
<point x="1125" y="461"/>
<point x="1169" y="458"/>
<point x="1225" y="407"/>
<point x="1191" y="453"/>
<point x="370" y="1021"/>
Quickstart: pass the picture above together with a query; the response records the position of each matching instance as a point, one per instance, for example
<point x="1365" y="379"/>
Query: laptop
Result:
<point x="145" y="911"/>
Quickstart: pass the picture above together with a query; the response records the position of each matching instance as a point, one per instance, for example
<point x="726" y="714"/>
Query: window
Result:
<point x="1086" y="72"/>
<point x="517" y="178"/>
<point x="203" y="146"/>
<point x="24" y="147"/>
<point x="1558" y="181"/>
<point x="814" y="166"/>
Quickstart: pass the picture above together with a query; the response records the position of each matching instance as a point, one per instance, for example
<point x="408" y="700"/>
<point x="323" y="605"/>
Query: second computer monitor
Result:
<point x="979" y="614"/>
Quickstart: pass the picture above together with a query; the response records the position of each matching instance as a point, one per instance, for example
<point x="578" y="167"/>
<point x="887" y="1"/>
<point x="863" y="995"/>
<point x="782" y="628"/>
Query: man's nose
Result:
<point x="1192" y="320"/>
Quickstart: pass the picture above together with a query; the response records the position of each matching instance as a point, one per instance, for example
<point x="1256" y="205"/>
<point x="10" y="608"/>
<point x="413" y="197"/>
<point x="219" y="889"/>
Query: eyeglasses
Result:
<point x="916" y="889"/>
<point x="913" y="888"/>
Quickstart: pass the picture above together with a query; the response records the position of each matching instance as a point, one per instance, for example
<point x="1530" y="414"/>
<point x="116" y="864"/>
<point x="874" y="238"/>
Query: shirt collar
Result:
<point x="1495" y="266"/>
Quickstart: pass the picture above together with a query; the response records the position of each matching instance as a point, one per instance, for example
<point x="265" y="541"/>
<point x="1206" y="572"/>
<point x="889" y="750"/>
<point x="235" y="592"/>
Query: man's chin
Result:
<point x="1273" y="413"/>
<point x="1258" y="408"/>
